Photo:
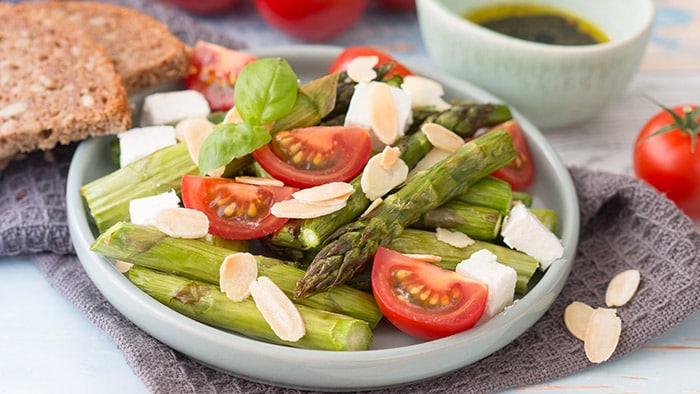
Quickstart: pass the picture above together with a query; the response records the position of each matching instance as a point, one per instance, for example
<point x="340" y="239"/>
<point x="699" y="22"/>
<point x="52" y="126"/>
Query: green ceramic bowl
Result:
<point x="552" y="85"/>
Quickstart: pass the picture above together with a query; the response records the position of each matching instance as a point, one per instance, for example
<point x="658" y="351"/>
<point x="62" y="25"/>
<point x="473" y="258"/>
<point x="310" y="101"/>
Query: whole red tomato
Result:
<point x="667" y="156"/>
<point x="204" y="7"/>
<point x="311" y="20"/>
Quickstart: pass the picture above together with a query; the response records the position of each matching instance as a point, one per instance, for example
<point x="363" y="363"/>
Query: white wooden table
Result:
<point x="47" y="345"/>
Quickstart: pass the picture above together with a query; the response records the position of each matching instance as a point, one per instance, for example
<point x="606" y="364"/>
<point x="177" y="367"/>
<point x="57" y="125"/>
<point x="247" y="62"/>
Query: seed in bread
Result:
<point x="143" y="50"/>
<point x="57" y="85"/>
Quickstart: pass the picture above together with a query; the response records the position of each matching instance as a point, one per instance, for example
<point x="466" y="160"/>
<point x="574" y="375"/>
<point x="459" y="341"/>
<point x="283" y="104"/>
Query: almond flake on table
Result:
<point x="361" y="68"/>
<point x="602" y="334"/>
<point x="576" y="316"/>
<point x="277" y="309"/>
<point x="236" y="273"/>
<point x="182" y="222"/>
<point x="622" y="288"/>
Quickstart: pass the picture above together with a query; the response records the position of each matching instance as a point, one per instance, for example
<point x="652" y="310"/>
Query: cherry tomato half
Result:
<point x="315" y="155"/>
<point x="213" y="72"/>
<point x="424" y="300"/>
<point x="520" y="172"/>
<point x="235" y="210"/>
<point x="669" y="161"/>
<point x="311" y="20"/>
<point x="348" y="54"/>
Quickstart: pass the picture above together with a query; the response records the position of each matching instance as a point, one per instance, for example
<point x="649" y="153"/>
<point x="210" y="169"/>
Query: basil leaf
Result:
<point x="229" y="141"/>
<point x="266" y="90"/>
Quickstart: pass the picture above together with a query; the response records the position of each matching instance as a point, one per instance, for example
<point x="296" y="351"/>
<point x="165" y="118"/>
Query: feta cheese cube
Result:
<point x="142" y="141"/>
<point x="425" y="92"/>
<point x="142" y="210"/>
<point x="171" y="107"/>
<point x="359" y="111"/>
<point x="483" y="266"/>
<point x="522" y="231"/>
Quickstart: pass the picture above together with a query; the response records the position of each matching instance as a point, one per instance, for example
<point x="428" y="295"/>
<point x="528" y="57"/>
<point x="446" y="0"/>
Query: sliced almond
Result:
<point x="236" y="273"/>
<point x="232" y="116"/>
<point x="372" y="206"/>
<point x="334" y="191"/>
<point x="277" y="309"/>
<point x="622" y="288"/>
<point x="576" y="316"/>
<point x="425" y="92"/>
<point x="181" y="222"/>
<point x="361" y="68"/>
<point x="297" y="209"/>
<point x="430" y="159"/>
<point x="122" y="266"/>
<point x="377" y="181"/>
<point x="194" y="131"/>
<point x="258" y="181"/>
<point x="457" y="239"/>
<point x="383" y="119"/>
<point x="441" y="137"/>
<point x="602" y="334"/>
<point x="389" y="157"/>
<point x="428" y="258"/>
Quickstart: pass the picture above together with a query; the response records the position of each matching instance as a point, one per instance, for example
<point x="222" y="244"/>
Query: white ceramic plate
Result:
<point x="394" y="358"/>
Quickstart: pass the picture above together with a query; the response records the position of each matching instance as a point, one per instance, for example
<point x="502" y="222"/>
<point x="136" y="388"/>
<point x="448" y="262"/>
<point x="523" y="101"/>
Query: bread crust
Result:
<point x="143" y="50"/>
<point x="57" y="85"/>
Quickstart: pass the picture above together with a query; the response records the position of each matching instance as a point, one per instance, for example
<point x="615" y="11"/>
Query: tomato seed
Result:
<point x="230" y="209"/>
<point x="252" y="210"/>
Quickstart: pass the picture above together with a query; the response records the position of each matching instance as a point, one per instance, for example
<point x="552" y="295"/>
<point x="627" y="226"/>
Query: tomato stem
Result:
<point x="687" y="124"/>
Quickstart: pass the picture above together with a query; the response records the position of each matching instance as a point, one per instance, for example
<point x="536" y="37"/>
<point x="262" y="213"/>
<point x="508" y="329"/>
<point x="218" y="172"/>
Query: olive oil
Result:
<point x="538" y="23"/>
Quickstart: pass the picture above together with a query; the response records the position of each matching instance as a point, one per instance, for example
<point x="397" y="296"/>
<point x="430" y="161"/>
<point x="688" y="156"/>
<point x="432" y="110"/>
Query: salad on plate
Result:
<point x="303" y="213"/>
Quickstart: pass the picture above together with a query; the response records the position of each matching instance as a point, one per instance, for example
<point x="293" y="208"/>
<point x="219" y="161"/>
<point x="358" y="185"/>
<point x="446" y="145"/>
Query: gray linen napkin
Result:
<point x="625" y="224"/>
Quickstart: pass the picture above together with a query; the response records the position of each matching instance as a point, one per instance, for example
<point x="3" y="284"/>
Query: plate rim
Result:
<point x="118" y="290"/>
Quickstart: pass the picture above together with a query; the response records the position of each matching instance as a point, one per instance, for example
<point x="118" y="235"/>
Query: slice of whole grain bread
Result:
<point x="143" y="50"/>
<point x="57" y="85"/>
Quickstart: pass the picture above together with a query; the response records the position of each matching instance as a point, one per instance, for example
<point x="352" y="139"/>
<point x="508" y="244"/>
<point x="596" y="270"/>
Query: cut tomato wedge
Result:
<point x="213" y="72"/>
<point x="316" y="155"/>
<point x="235" y="210"/>
<point x="520" y="172"/>
<point x="348" y="54"/>
<point x="424" y="300"/>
